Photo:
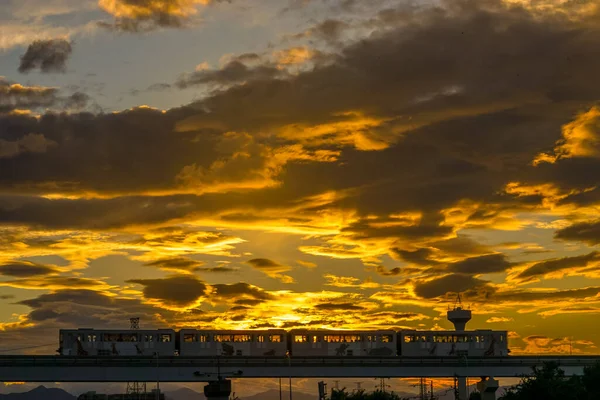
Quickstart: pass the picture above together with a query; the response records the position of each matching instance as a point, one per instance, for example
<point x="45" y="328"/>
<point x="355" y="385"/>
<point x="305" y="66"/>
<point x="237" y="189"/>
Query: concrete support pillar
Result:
<point x="462" y="388"/>
<point x="488" y="387"/>
<point x="218" y="390"/>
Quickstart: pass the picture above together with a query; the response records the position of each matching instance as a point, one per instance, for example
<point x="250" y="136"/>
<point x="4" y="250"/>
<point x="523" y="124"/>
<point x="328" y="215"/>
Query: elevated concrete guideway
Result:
<point x="204" y="369"/>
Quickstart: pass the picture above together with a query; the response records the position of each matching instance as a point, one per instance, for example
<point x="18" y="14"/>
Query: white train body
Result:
<point x="92" y="342"/>
<point x="193" y="342"/>
<point x="308" y="343"/>
<point x="279" y="343"/>
<point x="478" y="343"/>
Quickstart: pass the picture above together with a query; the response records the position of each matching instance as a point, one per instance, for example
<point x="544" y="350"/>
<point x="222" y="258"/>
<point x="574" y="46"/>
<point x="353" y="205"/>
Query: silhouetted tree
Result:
<point x="475" y="396"/>
<point x="591" y="381"/>
<point x="550" y="383"/>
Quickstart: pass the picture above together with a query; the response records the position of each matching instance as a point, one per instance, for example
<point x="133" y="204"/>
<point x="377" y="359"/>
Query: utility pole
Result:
<point x="289" y="356"/>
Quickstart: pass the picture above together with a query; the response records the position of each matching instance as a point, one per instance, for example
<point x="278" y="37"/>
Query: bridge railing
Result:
<point x="295" y="361"/>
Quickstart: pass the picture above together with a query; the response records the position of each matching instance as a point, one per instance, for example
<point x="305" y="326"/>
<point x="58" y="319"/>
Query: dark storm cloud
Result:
<point x="248" y="302"/>
<point x="381" y="270"/>
<point x="478" y="109"/>
<point x="91" y="214"/>
<point x="454" y="283"/>
<point x="87" y="308"/>
<point x="329" y="30"/>
<point x="69" y="296"/>
<point x="420" y="256"/>
<point x="486" y="264"/>
<point x="525" y="296"/>
<point x="91" y="152"/>
<point x="241" y="290"/>
<point x="272" y="269"/>
<point x="54" y="282"/>
<point x="47" y="55"/>
<point x="267" y="265"/>
<point x="429" y="227"/>
<point x="218" y="270"/>
<point x="186" y="264"/>
<point x="588" y="232"/>
<point x="24" y="269"/>
<point x="338" y="306"/>
<point x="234" y="72"/>
<point x="559" y="264"/>
<point x="175" y="290"/>
<point x="30" y="143"/>
<point x="460" y="245"/>
<point x="177" y="263"/>
<point x="14" y="96"/>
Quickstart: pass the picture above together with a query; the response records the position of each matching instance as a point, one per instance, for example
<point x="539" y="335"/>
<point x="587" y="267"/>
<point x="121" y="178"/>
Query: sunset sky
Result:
<point x="250" y="164"/>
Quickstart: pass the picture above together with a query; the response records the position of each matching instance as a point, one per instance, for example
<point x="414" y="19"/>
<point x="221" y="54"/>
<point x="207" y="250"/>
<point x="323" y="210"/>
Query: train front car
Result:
<point x="478" y="343"/>
<point x="266" y="343"/>
<point x="117" y="342"/>
<point x="328" y="343"/>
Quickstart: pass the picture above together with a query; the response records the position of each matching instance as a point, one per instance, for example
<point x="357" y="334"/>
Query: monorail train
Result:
<point x="278" y="343"/>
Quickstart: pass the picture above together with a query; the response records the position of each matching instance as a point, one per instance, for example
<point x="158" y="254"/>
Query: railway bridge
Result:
<point x="216" y="371"/>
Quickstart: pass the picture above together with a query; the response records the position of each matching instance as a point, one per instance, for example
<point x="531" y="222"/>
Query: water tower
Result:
<point x="459" y="316"/>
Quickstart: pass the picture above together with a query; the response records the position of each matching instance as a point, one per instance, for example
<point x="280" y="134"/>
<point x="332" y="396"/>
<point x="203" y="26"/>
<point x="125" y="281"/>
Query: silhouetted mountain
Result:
<point x="189" y="394"/>
<point x="274" y="395"/>
<point x="184" y="394"/>
<point x="39" y="393"/>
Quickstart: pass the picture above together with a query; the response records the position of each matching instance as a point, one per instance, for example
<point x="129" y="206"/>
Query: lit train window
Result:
<point x="352" y="338"/>
<point x="222" y="338"/>
<point x="316" y="339"/>
<point x="387" y="338"/>
<point x="91" y="338"/>
<point x="189" y="337"/>
<point x="242" y="338"/>
<point x="406" y="339"/>
<point x="203" y="338"/>
<point x="260" y="338"/>
<point x="502" y="338"/>
<point x="148" y="338"/>
<point x="165" y="337"/>
<point x="332" y="338"/>
<point x="300" y="338"/>
<point x="371" y="338"/>
<point x="275" y="338"/>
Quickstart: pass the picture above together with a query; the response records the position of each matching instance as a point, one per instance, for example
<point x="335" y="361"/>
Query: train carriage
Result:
<point x="324" y="343"/>
<point x="232" y="343"/>
<point x="478" y="343"/>
<point x="121" y="342"/>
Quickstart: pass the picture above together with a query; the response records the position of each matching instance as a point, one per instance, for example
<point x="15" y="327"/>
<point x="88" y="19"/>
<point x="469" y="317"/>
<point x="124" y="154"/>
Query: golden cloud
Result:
<point x="581" y="138"/>
<point x="163" y="13"/>
<point x="294" y="56"/>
